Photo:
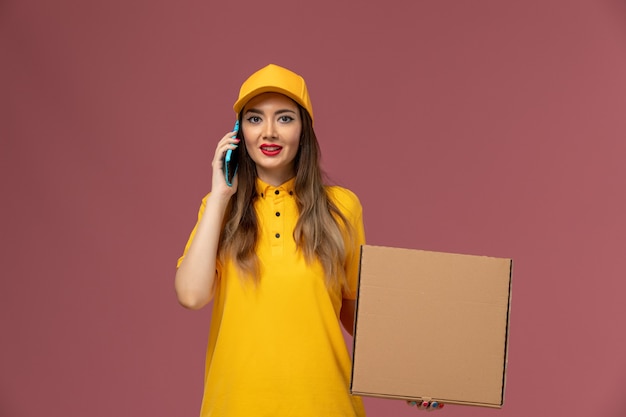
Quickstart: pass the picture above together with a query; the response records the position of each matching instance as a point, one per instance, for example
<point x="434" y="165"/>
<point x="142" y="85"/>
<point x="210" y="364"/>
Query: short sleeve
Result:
<point x="193" y="232"/>
<point x="350" y="206"/>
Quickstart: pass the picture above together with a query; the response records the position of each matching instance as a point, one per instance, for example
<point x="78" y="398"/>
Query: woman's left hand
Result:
<point x="426" y="405"/>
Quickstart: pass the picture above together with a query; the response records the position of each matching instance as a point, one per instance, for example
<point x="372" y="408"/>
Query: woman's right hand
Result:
<point x="195" y="277"/>
<point x="219" y="186"/>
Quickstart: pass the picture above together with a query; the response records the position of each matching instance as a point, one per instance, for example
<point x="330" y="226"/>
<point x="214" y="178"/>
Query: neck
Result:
<point x="275" y="178"/>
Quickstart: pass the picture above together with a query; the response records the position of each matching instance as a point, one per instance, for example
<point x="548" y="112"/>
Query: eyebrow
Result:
<point x="257" y="111"/>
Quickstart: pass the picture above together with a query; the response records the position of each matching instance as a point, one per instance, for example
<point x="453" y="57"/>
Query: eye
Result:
<point x="254" y="119"/>
<point x="285" y="119"/>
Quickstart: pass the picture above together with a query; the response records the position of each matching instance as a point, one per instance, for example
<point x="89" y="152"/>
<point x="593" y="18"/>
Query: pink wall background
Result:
<point x="486" y="127"/>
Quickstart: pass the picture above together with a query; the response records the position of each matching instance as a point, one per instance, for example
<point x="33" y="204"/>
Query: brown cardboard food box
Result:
<point x="431" y="326"/>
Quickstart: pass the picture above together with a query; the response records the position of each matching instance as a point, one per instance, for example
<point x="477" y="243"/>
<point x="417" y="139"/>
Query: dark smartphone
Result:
<point x="231" y="161"/>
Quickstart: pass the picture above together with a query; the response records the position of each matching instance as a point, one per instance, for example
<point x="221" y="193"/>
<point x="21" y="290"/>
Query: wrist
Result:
<point x="218" y="200"/>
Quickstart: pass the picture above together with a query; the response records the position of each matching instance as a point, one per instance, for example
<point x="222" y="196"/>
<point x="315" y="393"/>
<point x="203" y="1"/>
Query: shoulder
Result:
<point x="203" y="205"/>
<point x="345" y="199"/>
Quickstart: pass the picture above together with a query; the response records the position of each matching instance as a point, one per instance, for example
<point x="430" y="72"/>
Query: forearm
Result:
<point x="195" y="277"/>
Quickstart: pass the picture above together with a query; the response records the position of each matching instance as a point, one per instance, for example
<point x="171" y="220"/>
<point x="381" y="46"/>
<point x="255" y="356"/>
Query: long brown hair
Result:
<point x="321" y="230"/>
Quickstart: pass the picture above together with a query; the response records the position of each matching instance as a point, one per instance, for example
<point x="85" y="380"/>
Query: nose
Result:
<point x="269" y="130"/>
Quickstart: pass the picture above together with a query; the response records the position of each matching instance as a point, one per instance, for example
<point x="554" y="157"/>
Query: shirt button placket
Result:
<point x="278" y="237"/>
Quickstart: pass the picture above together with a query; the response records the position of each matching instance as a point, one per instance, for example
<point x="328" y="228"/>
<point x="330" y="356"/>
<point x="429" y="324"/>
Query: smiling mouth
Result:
<point x="271" y="150"/>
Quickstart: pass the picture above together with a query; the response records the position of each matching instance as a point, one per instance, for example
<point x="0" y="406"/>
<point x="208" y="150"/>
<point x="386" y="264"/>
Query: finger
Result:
<point x="225" y="141"/>
<point x="230" y="135"/>
<point x="224" y="145"/>
<point x="435" y="405"/>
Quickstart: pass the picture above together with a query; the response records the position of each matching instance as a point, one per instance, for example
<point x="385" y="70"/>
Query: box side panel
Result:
<point x="431" y="325"/>
<point x="508" y="330"/>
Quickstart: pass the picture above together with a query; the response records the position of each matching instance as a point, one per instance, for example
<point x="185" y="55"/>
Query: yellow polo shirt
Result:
<point x="277" y="349"/>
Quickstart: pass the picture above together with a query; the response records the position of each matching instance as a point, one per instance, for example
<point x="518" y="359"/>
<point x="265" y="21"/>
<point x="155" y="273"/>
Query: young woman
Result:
<point x="277" y="253"/>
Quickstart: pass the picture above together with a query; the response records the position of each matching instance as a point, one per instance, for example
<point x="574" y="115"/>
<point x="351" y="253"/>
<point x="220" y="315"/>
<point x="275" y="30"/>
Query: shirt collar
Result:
<point x="263" y="188"/>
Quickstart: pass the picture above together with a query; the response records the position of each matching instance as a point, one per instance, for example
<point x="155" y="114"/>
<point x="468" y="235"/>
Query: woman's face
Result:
<point x="271" y="127"/>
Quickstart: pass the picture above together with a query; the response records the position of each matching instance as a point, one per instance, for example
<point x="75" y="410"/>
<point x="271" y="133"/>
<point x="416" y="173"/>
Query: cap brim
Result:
<point x="240" y="104"/>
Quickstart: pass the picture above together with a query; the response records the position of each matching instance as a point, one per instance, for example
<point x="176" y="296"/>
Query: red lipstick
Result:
<point x="270" y="150"/>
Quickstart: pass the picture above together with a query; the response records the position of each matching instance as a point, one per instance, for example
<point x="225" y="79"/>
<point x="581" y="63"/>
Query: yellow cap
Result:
<point x="275" y="79"/>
